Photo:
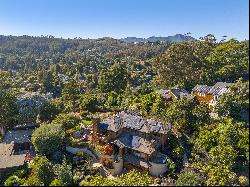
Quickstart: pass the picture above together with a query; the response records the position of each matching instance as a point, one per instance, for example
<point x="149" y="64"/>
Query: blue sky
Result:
<point x="122" y="18"/>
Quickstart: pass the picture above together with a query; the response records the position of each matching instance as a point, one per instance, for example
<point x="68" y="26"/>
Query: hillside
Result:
<point x="171" y="39"/>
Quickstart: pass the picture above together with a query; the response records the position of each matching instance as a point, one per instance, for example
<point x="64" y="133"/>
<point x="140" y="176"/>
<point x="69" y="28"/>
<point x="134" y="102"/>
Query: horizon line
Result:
<point x="95" y="38"/>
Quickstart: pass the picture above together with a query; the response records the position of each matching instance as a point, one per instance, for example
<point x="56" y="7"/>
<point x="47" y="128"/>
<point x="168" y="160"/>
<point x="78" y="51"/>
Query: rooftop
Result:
<point x="136" y="143"/>
<point x="9" y="160"/>
<point x="134" y="122"/>
<point x="218" y="89"/>
<point x="176" y="92"/>
<point x="18" y="136"/>
<point x="136" y="160"/>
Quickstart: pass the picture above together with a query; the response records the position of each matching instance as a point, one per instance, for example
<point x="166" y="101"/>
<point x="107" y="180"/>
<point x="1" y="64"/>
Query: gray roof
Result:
<point x="135" y="160"/>
<point x="177" y="92"/>
<point x="181" y="93"/>
<point x="8" y="159"/>
<point x="136" y="143"/>
<point x="164" y="93"/>
<point x="18" y="136"/>
<point x="135" y="122"/>
<point x="218" y="89"/>
<point x="186" y="95"/>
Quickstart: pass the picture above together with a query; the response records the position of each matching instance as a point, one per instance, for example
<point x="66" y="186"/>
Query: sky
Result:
<point x="125" y="18"/>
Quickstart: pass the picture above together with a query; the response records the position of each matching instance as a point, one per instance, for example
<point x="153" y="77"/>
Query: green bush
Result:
<point x="41" y="170"/>
<point x="48" y="138"/>
<point x="69" y="132"/>
<point x="14" y="181"/>
<point x="63" y="173"/>
<point x="21" y="173"/>
<point x="77" y="128"/>
<point x="188" y="178"/>
<point x="56" y="182"/>
<point x="33" y="180"/>
<point x="68" y="120"/>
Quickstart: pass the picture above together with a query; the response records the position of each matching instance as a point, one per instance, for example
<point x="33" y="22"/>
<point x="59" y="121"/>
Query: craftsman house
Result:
<point x="135" y="142"/>
<point x="174" y="94"/>
<point x="210" y="94"/>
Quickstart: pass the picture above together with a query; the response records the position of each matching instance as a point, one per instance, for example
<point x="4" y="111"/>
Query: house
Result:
<point x="13" y="150"/>
<point x="174" y="94"/>
<point x="210" y="94"/>
<point x="20" y="137"/>
<point x="135" y="142"/>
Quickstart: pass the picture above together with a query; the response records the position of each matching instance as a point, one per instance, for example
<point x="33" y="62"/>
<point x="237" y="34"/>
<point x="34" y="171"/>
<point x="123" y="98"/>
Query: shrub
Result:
<point x="14" y="181"/>
<point x="188" y="178"/>
<point x="171" y="165"/>
<point x="48" y="139"/>
<point x="56" y="182"/>
<point x="63" y="173"/>
<point x="33" y="180"/>
<point x="21" y="173"/>
<point x="41" y="170"/>
<point x="68" y="120"/>
<point x="69" y="132"/>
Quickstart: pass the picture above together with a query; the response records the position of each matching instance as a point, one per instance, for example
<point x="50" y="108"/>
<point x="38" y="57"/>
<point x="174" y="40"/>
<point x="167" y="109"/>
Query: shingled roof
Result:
<point x="135" y="122"/>
<point x="18" y="136"/>
<point x="136" y="143"/>
<point x="176" y="92"/>
<point x="218" y="89"/>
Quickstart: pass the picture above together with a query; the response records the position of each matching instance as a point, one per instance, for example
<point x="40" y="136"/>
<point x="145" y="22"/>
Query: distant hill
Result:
<point x="172" y="39"/>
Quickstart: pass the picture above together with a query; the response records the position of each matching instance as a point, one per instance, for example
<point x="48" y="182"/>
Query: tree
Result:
<point x="201" y="113"/>
<point x="180" y="115"/>
<point x="235" y="103"/>
<point x="6" y="81"/>
<point x="63" y="173"/>
<point x="49" y="111"/>
<point x="188" y="178"/>
<point x="177" y="65"/>
<point x="56" y="182"/>
<point x="42" y="169"/>
<point x="8" y="110"/>
<point x="113" y="79"/>
<point x="113" y="100"/>
<point x="228" y="61"/>
<point x="224" y="155"/>
<point x="226" y="146"/>
<point x="47" y="81"/>
<point x="71" y="95"/>
<point x="221" y="176"/>
<point x="48" y="139"/>
<point x="67" y="120"/>
<point x="147" y="101"/>
<point x="89" y="103"/>
<point x="14" y="181"/>
<point x="158" y="108"/>
<point x="132" y="178"/>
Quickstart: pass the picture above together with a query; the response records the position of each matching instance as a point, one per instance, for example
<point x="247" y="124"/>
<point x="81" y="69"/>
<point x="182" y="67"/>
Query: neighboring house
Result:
<point x="14" y="147"/>
<point x="20" y="137"/>
<point x="210" y="94"/>
<point x="136" y="142"/>
<point x="174" y="94"/>
<point x="8" y="160"/>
